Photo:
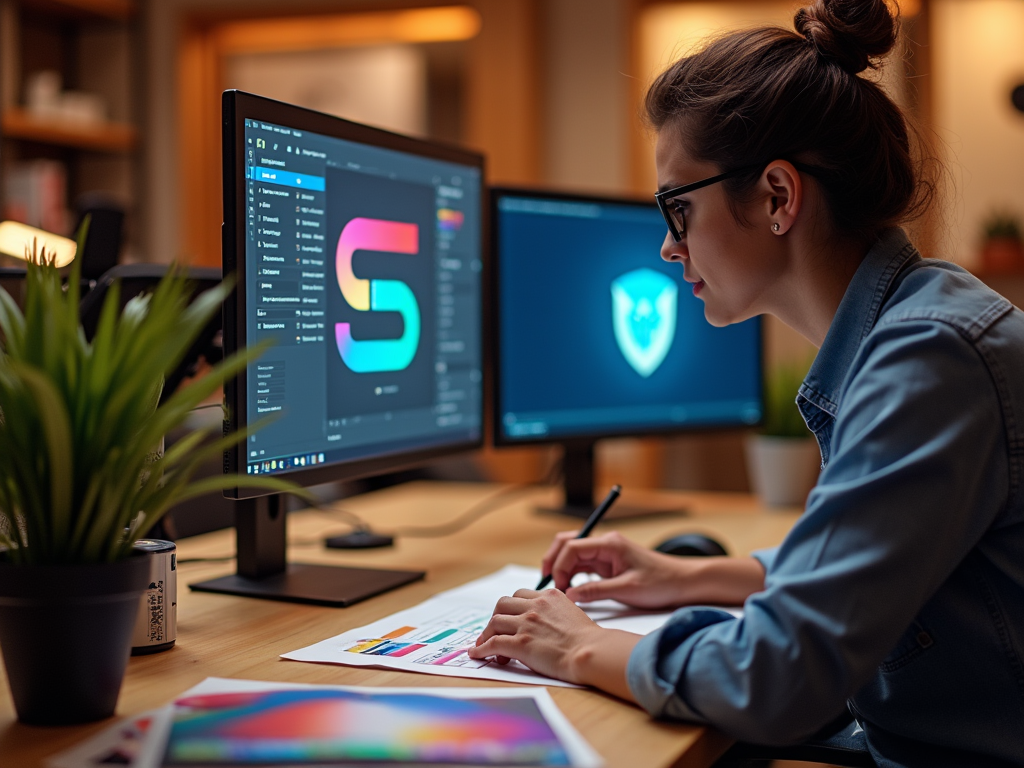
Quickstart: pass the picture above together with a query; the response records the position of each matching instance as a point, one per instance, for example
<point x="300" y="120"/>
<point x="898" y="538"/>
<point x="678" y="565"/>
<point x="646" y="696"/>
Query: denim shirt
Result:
<point x="899" y="593"/>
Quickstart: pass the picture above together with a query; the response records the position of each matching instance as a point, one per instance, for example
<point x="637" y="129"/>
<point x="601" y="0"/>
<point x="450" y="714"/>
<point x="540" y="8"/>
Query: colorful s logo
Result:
<point x="377" y="296"/>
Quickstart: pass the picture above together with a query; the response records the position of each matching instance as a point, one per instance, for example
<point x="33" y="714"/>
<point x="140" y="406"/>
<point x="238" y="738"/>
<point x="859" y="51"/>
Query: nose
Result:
<point x="671" y="250"/>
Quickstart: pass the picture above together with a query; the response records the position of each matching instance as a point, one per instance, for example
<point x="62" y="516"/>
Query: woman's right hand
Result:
<point x="643" y="578"/>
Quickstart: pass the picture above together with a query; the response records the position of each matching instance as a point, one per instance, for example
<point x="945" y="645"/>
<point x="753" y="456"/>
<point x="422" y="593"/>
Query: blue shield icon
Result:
<point x="644" y="308"/>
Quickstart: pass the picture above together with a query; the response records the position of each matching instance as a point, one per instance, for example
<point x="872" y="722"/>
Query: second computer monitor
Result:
<point x="597" y="337"/>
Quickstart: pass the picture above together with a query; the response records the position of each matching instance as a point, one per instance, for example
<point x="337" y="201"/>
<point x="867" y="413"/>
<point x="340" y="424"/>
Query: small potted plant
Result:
<point x="783" y="459"/>
<point x="1002" y="249"/>
<point x="82" y="478"/>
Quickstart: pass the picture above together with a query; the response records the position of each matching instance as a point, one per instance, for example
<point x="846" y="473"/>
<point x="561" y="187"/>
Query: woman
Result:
<point x="899" y="594"/>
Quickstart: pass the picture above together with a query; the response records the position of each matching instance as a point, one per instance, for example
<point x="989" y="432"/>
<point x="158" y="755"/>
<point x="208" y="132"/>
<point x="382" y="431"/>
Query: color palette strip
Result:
<point x="448" y="657"/>
<point x="450" y="220"/>
<point x="442" y="635"/>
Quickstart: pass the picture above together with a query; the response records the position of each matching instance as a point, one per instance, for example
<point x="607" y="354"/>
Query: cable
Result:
<point x="485" y="506"/>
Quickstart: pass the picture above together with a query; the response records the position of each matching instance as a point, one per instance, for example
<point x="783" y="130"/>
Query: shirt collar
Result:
<point x="857" y="314"/>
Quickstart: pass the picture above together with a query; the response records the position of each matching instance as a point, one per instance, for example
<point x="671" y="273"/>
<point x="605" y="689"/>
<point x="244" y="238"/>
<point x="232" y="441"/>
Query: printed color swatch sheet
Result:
<point x="434" y="636"/>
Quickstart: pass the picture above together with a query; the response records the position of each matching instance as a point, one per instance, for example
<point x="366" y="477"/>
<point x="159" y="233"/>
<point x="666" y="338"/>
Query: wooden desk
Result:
<point x="227" y="636"/>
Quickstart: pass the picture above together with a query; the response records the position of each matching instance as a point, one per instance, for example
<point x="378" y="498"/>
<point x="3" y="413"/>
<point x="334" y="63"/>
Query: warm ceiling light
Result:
<point x="21" y="241"/>
<point x="317" y="32"/>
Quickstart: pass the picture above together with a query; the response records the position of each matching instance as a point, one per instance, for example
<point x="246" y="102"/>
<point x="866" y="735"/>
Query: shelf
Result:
<point x="117" y="10"/>
<point x="102" y="137"/>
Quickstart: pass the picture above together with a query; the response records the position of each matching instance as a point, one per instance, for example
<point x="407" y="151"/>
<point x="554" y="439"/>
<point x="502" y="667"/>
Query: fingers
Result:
<point x="499" y="639"/>
<point x="502" y="647"/>
<point x="554" y="549"/>
<point x="515" y="605"/>
<point x="602" y="555"/>
<point x="505" y="621"/>
<point x="605" y="589"/>
<point x="503" y="617"/>
<point x="498" y="625"/>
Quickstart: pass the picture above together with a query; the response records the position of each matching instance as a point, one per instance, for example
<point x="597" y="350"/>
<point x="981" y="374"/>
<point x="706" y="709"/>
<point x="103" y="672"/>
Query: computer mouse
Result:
<point x="691" y="545"/>
<point x="359" y="539"/>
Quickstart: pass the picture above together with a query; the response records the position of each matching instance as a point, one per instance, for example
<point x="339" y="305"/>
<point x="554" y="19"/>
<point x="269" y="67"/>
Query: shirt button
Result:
<point x="924" y="639"/>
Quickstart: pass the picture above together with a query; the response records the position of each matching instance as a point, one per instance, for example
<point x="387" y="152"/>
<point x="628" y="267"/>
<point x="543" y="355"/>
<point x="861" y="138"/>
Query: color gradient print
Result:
<point x="337" y="726"/>
<point x="377" y="295"/>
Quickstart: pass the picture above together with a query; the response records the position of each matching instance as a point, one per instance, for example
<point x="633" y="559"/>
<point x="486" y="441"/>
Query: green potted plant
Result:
<point x="82" y="477"/>
<point x="783" y="458"/>
<point x="1002" y="249"/>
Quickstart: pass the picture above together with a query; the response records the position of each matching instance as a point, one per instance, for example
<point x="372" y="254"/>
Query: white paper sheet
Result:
<point x="580" y="753"/>
<point x="433" y="637"/>
<point x="120" y="744"/>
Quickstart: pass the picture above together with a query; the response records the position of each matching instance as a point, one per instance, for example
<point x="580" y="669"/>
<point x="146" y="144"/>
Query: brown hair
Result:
<point x="770" y="93"/>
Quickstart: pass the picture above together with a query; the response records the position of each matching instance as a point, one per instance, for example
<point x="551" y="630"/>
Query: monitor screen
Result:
<point x="597" y="336"/>
<point x="360" y="260"/>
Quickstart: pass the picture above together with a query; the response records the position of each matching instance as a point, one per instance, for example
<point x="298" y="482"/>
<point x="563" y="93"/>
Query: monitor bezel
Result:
<point x="237" y="107"/>
<point x="498" y="438"/>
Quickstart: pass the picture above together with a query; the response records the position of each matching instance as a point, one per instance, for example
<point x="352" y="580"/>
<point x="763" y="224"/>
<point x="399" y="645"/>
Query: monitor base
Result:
<point x="617" y="512"/>
<point x="330" y="585"/>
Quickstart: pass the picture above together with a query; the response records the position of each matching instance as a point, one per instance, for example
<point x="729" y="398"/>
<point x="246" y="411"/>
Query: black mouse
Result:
<point x="359" y="539"/>
<point x="691" y="545"/>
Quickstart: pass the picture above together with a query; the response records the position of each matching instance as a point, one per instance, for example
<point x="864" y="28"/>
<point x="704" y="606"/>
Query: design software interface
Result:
<point x="599" y="335"/>
<point x="363" y="267"/>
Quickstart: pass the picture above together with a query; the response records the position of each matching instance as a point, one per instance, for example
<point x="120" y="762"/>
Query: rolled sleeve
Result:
<point x="658" y="660"/>
<point x="765" y="557"/>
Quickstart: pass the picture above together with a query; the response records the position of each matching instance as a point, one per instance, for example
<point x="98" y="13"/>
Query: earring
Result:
<point x="776" y="227"/>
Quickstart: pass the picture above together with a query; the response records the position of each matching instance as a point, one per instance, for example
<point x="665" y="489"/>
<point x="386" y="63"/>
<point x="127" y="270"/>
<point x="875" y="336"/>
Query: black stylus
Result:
<point x="592" y="521"/>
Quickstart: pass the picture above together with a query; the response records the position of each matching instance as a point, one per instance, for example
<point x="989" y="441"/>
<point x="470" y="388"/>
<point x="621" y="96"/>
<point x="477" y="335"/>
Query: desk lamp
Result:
<point x="22" y="241"/>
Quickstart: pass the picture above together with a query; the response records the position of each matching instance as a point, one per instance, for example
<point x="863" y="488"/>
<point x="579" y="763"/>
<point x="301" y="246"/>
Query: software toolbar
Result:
<point x="363" y="270"/>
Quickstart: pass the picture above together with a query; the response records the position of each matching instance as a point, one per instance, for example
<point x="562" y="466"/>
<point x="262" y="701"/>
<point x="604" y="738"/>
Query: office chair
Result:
<point x="102" y="245"/>
<point x="814" y="750"/>
<point x="12" y="280"/>
<point x="762" y="757"/>
<point x="139" y="279"/>
<point x="212" y="511"/>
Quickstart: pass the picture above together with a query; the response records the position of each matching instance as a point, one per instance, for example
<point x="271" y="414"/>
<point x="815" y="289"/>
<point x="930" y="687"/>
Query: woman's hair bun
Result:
<point x="851" y="32"/>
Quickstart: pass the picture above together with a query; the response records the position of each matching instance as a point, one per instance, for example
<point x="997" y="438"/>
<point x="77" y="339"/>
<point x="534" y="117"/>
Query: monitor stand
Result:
<point x="263" y="571"/>
<point x="578" y="483"/>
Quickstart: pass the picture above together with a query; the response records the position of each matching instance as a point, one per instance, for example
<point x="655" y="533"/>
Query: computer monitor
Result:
<point x="358" y="253"/>
<point x="595" y="336"/>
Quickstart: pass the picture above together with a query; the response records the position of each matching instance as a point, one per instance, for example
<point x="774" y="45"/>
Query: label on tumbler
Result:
<point x="156" y="625"/>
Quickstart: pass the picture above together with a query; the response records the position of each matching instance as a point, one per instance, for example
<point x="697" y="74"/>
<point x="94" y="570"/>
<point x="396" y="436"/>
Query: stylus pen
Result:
<point x="592" y="521"/>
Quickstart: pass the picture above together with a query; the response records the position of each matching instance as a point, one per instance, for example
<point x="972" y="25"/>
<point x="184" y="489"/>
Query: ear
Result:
<point x="782" y="182"/>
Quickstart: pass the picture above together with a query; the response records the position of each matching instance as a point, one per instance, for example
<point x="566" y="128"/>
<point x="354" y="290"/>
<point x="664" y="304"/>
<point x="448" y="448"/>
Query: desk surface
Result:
<point x="223" y="636"/>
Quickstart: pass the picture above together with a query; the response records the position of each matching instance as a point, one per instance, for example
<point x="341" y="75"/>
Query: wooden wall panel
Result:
<point x="199" y="156"/>
<point x="503" y="93"/>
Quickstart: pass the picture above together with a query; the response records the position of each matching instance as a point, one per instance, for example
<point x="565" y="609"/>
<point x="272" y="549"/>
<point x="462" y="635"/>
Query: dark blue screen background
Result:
<point x="561" y="371"/>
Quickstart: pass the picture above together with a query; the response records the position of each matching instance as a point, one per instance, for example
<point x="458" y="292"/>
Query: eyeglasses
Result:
<point x="673" y="212"/>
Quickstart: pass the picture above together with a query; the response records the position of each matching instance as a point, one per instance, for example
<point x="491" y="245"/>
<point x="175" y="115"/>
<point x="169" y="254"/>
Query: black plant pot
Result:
<point x="65" y="634"/>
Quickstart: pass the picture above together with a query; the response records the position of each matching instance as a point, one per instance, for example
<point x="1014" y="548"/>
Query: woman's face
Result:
<point x="731" y="265"/>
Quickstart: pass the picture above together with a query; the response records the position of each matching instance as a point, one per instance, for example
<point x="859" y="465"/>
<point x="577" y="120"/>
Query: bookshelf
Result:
<point x="82" y="140"/>
<point x="101" y="137"/>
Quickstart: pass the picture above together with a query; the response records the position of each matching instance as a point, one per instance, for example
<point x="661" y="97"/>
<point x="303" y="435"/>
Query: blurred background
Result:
<point x="115" y="104"/>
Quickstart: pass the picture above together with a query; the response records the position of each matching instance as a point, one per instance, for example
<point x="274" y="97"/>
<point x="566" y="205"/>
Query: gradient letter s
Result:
<point x="377" y="295"/>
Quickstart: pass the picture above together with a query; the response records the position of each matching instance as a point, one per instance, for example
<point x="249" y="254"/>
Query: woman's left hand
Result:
<point x="540" y="629"/>
<point x="551" y="635"/>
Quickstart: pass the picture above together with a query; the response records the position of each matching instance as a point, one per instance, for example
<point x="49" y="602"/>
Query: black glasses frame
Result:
<point x="677" y="230"/>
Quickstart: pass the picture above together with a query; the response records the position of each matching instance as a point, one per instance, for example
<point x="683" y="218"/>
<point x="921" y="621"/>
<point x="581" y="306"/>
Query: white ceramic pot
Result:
<point x="782" y="469"/>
